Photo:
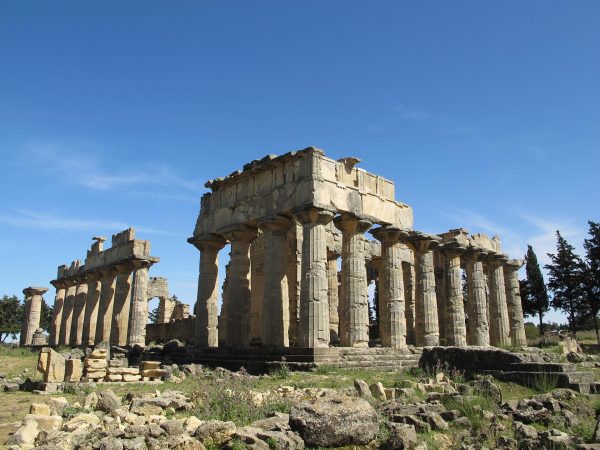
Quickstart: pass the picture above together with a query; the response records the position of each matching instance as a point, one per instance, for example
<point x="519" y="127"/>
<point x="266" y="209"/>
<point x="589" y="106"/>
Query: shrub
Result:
<point x="544" y="382"/>
<point x="282" y="371"/>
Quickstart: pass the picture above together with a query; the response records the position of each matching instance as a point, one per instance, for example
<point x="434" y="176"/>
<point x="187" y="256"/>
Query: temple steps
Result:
<point x="379" y="358"/>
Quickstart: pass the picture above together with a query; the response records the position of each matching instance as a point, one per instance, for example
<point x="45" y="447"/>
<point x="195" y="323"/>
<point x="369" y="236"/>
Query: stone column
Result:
<point x="206" y="307"/>
<point x="78" y="312"/>
<point x="57" y="312"/>
<point x="294" y="277"/>
<point x="238" y="311"/>
<point x="313" y="329"/>
<point x="33" y="313"/>
<point x="478" y="332"/>
<point x="105" y="308"/>
<point x="354" y="303"/>
<point x="165" y="309"/>
<point x="513" y="301"/>
<point x="441" y="292"/>
<point x="392" y="318"/>
<point x="408" y="271"/>
<point x="456" y="330"/>
<point x="275" y="313"/>
<point x="90" y="317"/>
<point x="332" y="295"/>
<point x="138" y="315"/>
<point x="223" y="316"/>
<point x="426" y="308"/>
<point x="499" y="326"/>
<point x="122" y="305"/>
<point x="67" y="316"/>
<point x="257" y="289"/>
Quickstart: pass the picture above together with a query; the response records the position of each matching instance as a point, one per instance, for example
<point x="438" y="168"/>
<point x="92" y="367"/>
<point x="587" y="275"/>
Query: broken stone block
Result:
<point x="73" y="370"/>
<point x="52" y="365"/>
<point x="113" y="377"/>
<point x="149" y="365"/>
<point x="40" y="409"/>
<point x="377" y="391"/>
<point x="153" y="373"/>
<point x="45" y="422"/>
<point x="96" y="363"/>
<point x="115" y="363"/>
<point x="51" y="387"/>
<point x="127" y="377"/>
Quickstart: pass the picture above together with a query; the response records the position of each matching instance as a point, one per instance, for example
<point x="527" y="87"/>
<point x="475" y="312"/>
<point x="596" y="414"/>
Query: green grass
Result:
<point x="471" y="407"/>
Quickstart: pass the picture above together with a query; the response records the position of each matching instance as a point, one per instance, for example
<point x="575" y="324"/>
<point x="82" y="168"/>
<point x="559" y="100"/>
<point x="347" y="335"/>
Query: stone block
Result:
<point x="46" y="423"/>
<point x="127" y="377"/>
<point x="153" y="373"/>
<point x="115" y="363"/>
<point x="148" y="365"/>
<point x="113" y="377"/>
<point x="11" y="387"/>
<point x="96" y="363"/>
<point x="52" y="365"/>
<point x="40" y="409"/>
<point x="130" y="371"/>
<point x="99" y="353"/>
<point x="73" y="370"/>
<point x="51" y="387"/>
<point x="95" y="374"/>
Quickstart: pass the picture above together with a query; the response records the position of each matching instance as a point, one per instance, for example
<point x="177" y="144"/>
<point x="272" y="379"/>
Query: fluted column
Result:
<point x="499" y="326"/>
<point x="478" y="331"/>
<point x="67" y="316"/>
<point x="206" y="308"/>
<point x="456" y="330"/>
<point x="122" y="305"/>
<point x="57" y="311"/>
<point x="314" y="308"/>
<point x="257" y="289"/>
<point x="293" y="275"/>
<point x="238" y="312"/>
<point x="426" y="308"/>
<point x="441" y="292"/>
<point x="90" y="317"/>
<point x="408" y="271"/>
<point x="392" y="318"/>
<point x="138" y="315"/>
<point x="33" y="313"/>
<point x="513" y="301"/>
<point x="275" y="313"/>
<point x="354" y="303"/>
<point x="78" y="312"/>
<point x="223" y="316"/>
<point x="106" y="306"/>
<point x="332" y="295"/>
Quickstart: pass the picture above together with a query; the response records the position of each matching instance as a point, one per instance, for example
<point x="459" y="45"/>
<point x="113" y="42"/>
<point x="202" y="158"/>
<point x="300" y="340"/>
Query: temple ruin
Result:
<point x="292" y="221"/>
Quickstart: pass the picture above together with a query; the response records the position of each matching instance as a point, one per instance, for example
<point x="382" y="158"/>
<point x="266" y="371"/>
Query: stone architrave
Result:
<point x="313" y="329"/>
<point x="122" y="305"/>
<point x="92" y="302"/>
<point x="426" y="313"/>
<point x="499" y="325"/>
<point x="33" y="313"/>
<point x="57" y="312"/>
<point x="392" y="316"/>
<point x="408" y="271"/>
<point x="456" y="330"/>
<point x="332" y="295"/>
<point x="67" y="317"/>
<point x="275" y="314"/>
<point x="206" y="309"/>
<point x="78" y="312"/>
<point x="513" y="301"/>
<point x="138" y="315"/>
<point x="238" y="311"/>
<point x="478" y="331"/>
<point x="354" y="302"/>
<point x="257" y="289"/>
<point x="107" y="300"/>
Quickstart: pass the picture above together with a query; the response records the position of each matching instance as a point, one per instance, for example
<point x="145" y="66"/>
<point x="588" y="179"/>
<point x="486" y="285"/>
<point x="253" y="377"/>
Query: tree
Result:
<point x="565" y="280"/>
<point x="11" y="317"/>
<point x="534" y="294"/>
<point x="591" y="274"/>
<point x="46" y="316"/>
<point x="153" y="315"/>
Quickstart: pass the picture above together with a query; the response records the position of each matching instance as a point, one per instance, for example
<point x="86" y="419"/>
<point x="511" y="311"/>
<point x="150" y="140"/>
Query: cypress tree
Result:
<point x="565" y="280"/>
<point x="534" y="294"/>
<point x="591" y="274"/>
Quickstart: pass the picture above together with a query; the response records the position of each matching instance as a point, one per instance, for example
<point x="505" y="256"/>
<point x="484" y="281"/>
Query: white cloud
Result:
<point x="44" y="221"/>
<point x="406" y="113"/>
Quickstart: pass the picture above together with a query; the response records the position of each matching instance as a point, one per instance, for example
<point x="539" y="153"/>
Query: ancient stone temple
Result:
<point x="106" y="298"/>
<point x="301" y="261"/>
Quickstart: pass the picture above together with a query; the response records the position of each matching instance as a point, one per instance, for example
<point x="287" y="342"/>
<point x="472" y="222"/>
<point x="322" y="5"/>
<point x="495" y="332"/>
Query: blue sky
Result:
<point x="485" y="115"/>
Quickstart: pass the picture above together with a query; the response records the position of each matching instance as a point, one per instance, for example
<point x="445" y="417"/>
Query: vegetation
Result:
<point x="534" y="294"/>
<point x="12" y="315"/>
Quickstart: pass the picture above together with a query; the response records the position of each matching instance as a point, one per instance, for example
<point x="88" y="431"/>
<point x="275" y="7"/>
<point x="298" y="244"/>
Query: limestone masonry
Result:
<point x="291" y="223"/>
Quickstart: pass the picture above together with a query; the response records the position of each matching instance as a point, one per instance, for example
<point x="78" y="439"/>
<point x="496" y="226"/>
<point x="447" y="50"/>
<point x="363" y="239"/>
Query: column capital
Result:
<point x="452" y="249"/>
<point x="59" y="284"/>
<point x="497" y="259"/>
<point x="476" y="254"/>
<point x="512" y="265"/>
<point x="275" y="223"/>
<point x="108" y="271"/>
<point x="33" y="290"/>
<point x="421" y="242"/>
<point x="124" y="268"/>
<point x="142" y="264"/>
<point x="352" y="223"/>
<point x="208" y="242"/>
<point x="390" y="235"/>
<point x="312" y="214"/>
<point x="239" y="232"/>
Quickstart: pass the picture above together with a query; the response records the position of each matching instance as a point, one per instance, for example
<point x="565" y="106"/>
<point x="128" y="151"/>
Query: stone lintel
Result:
<point x="239" y="232"/>
<point x="275" y="222"/>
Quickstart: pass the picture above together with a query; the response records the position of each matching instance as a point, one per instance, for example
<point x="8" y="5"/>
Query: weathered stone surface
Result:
<point x="81" y="421"/>
<point x="335" y="422"/>
<point x="40" y="409"/>
<point x="73" y="370"/>
<point x="52" y="365"/>
<point x="362" y="388"/>
<point x="108" y="401"/>
<point x="25" y="435"/>
<point x="45" y="422"/>
<point x="215" y="432"/>
<point x="401" y="436"/>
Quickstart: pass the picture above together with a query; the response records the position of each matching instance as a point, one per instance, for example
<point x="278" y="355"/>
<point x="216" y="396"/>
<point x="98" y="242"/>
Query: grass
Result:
<point x="471" y="407"/>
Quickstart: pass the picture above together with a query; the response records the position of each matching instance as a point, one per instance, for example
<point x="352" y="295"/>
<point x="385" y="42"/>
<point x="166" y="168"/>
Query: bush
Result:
<point x="471" y="407"/>
<point x="544" y="382"/>
<point x="282" y="371"/>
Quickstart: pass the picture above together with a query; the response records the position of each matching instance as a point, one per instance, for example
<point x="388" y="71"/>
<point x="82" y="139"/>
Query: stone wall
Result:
<point x="181" y="329"/>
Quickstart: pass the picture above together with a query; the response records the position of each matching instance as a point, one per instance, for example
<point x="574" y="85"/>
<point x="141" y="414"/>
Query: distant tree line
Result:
<point x="573" y="282"/>
<point x="12" y="315"/>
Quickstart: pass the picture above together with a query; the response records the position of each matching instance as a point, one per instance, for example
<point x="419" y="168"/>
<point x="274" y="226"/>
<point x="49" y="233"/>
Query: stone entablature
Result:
<point x="106" y="298"/>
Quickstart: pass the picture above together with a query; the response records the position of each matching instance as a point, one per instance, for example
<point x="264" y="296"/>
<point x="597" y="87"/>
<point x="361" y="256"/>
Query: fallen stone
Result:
<point x="52" y="365"/>
<point x="40" y="409"/>
<point x="172" y="427"/>
<point x="90" y="401"/>
<point x="377" y="391"/>
<point x="108" y="401"/>
<point x="110" y="443"/>
<point x="11" y="387"/>
<point x="401" y="436"/>
<point x="434" y="420"/>
<point x="420" y="425"/>
<point x="45" y="422"/>
<point x="362" y="388"/>
<point x="73" y="370"/>
<point x="25" y="435"/>
<point x="57" y="405"/>
<point x="335" y="421"/>
<point x="96" y="363"/>
<point x="81" y="421"/>
<point x="191" y="424"/>
<point x="215" y="432"/>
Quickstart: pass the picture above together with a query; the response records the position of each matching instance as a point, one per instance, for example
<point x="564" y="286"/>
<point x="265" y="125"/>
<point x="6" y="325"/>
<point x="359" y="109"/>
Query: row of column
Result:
<point x="104" y="305"/>
<point x="320" y="307"/>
